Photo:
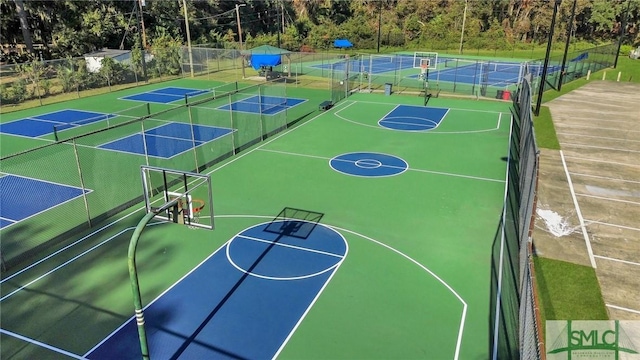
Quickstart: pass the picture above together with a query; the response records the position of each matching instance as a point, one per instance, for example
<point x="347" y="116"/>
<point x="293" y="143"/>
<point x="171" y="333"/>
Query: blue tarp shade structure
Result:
<point x="342" y="43"/>
<point x="260" y="60"/>
<point x="580" y="57"/>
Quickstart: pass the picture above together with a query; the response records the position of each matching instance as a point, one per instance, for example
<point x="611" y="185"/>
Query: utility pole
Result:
<point x="278" y="21"/>
<point x="240" y="35"/>
<point x="139" y="5"/>
<point x="186" y="27"/>
<point x="464" y="19"/>
<point x="379" y="22"/>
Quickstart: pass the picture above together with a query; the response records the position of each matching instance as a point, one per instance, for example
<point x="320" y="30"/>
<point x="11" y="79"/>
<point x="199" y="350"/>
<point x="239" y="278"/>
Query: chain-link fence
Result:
<point x="39" y="80"/>
<point x="486" y="77"/>
<point x="95" y="174"/>
<point x="577" y="64"/>
<point x="515" y="323"/>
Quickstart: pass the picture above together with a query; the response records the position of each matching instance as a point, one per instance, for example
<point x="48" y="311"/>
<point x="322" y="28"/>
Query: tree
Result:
<point x="24" y="25"/>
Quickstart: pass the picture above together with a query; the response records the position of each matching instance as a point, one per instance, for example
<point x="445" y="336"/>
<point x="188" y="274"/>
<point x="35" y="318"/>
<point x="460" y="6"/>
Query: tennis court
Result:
<point x="396" y="265"/>
<point x="165" y="95"/>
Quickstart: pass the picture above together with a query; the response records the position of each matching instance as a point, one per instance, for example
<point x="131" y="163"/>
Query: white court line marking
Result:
<point x="598" y="147"/>
<point x="440" y="280"/>
<point x="66" y="262"/>
<point x="41" y="344"/>
<point x="617" y="260"/>
<point x="609" y="199"/>
<point x="605" y="178"/>
<point x="612" y="225"/>
<point x="601" y="161"/>
<point x="67" y="247"/>
<point x="597" y="137"/>
<point x="623" y="308"/>
<point x="379" y="127"/>
<point x="410" y="168"/>
<point x="578" y="212"/>
<point x="140" y="209"/>
<point x="496" y="324"/>
<point x="290" y="246"/>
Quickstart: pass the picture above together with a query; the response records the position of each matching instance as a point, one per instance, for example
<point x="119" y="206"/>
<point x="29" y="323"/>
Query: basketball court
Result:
<point x="365" y="231"/>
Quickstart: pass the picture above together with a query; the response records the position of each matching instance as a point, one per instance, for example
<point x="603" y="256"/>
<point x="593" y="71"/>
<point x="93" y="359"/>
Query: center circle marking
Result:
<point x="368" y="164"/>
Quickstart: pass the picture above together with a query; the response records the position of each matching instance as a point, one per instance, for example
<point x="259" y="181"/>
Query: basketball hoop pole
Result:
<point x="133" y="275"/>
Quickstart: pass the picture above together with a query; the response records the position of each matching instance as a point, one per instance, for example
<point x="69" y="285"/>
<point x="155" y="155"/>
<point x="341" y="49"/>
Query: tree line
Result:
<point x="69" y="28"/>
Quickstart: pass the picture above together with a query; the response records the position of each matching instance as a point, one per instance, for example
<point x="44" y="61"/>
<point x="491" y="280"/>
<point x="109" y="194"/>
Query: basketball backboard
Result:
<point x="193" y="191"/>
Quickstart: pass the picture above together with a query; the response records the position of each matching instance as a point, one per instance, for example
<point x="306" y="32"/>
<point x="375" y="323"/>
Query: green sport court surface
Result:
<point x="414" y="283"/>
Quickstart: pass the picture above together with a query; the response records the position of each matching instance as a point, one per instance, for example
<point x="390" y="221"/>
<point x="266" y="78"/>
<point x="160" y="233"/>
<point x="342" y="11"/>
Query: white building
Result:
<point x="94" y="59"/>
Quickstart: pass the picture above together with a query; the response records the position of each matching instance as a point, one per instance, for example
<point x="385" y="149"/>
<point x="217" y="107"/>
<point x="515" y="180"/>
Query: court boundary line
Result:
<point x="82" y="194"/>
<point x="408" y="167"/>
<point x="437" y="123"/>
<point x="289" y="245"/>
<point x="496" y="324"/>
<point x="583" y="227"/>
<point x="380" y="127"/>
<point x="41" y="344"/>
<point x="95" y="232"/>
<point x="224" y="245"/>
<point x="197" y="143"/>
<point x="398" y="252"/>
<point x="333" y="267"/>
<point x="260" y="113"/>
<point x="222" y="165"/>
<point x="74" y="258"/>
<point x="434" y="275"/>
<point x="180" y="97"/>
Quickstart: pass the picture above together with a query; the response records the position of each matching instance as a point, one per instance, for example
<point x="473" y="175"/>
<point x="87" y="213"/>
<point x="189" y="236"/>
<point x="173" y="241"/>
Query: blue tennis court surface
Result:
<point x="44" y="124"/>
<point x="374" y="65"/>
<point x="243" y="302"/>
<point x="167" y="140"/>
<point x="266" y="105"/>
<point x="23" y="197"/>
<point x="165" y="95"/>
<point x="413" y="118"/>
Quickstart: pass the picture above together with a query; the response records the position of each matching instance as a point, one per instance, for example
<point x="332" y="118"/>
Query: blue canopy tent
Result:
<point x="342" y="43"/>
<point x="264" y="58"/>
<point x="259" y="61"/>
